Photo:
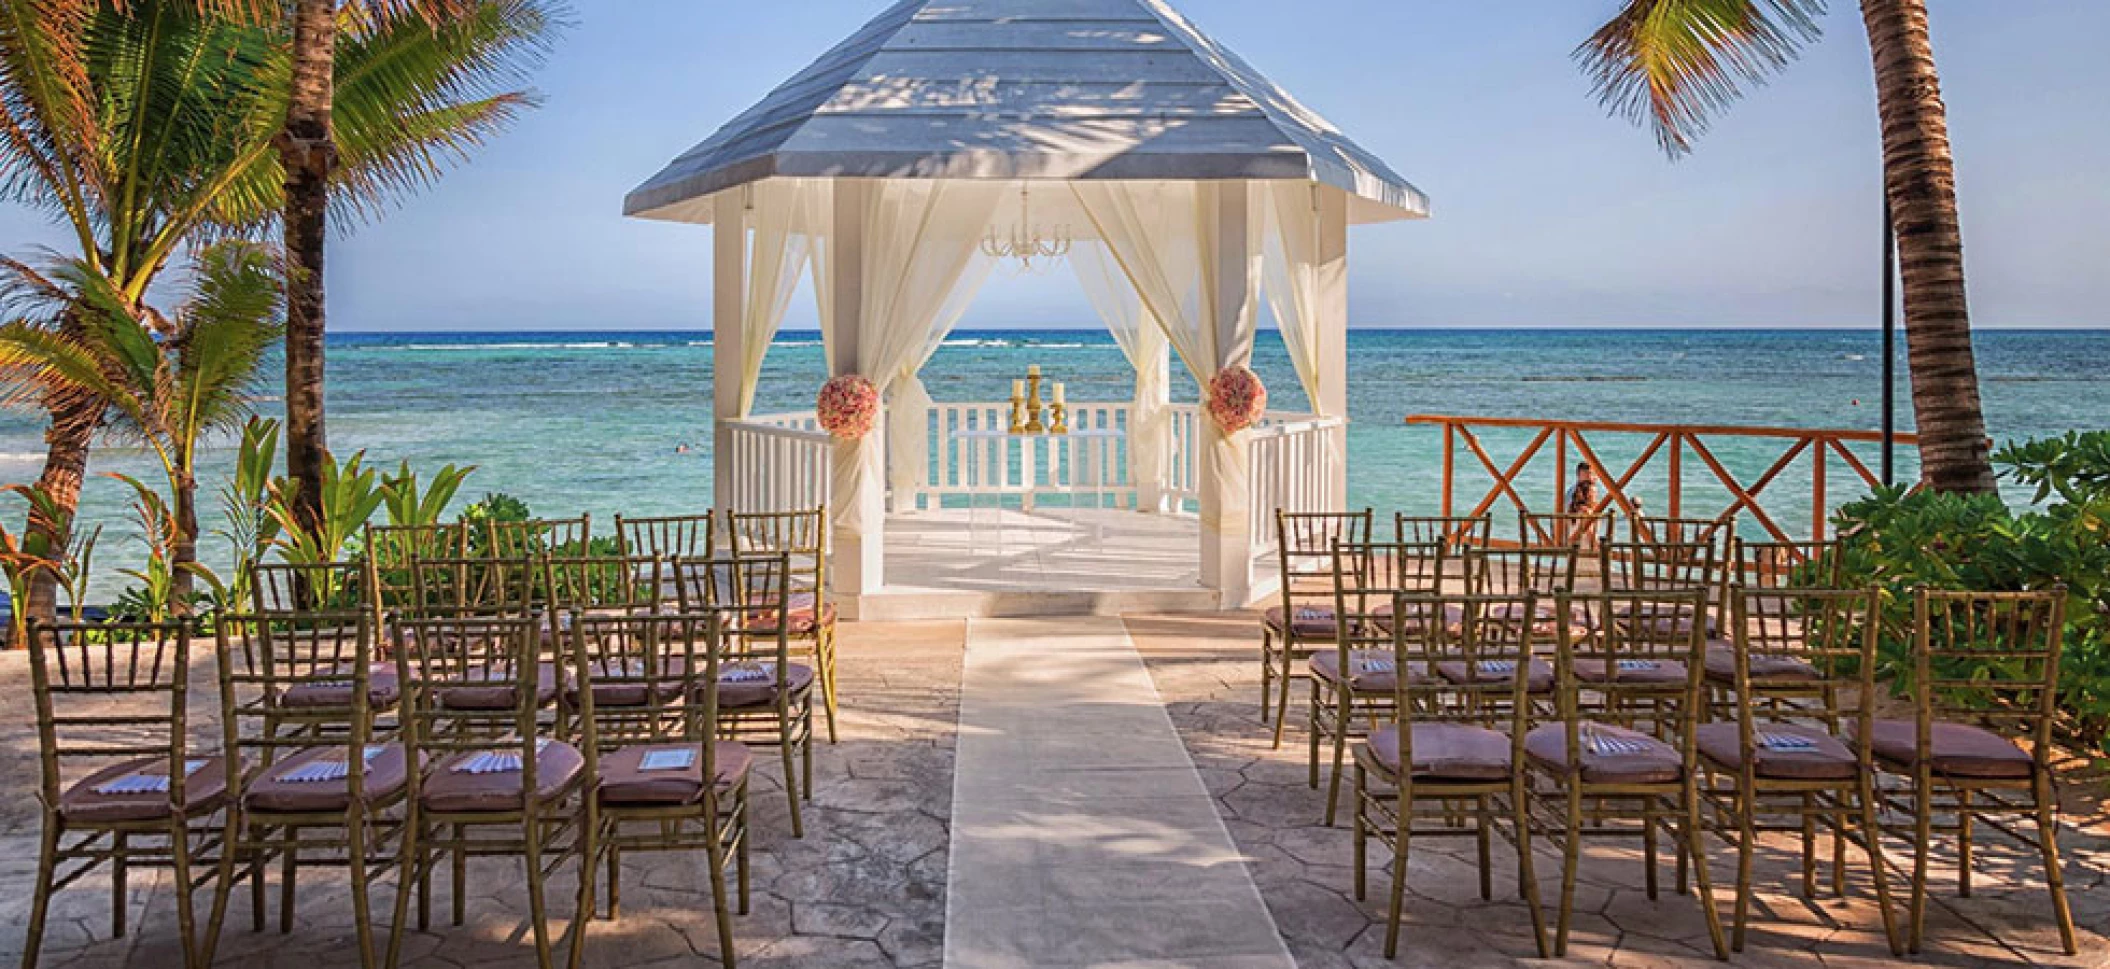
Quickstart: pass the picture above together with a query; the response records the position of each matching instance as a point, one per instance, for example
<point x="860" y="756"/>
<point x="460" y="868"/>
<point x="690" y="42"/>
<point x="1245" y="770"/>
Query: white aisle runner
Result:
<point x="1081" y="834"/>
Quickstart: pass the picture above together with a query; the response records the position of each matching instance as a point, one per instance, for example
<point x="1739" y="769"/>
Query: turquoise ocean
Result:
<point x="609" y="422"/>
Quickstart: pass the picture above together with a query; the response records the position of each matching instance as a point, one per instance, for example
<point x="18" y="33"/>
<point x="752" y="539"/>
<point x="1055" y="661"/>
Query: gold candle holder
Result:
<point x="1018" y="415"/>
<point x="1033" y="423"/>
<point x="1061" y="424"/>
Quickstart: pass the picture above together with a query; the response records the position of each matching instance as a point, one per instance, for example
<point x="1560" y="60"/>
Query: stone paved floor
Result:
<point x="1207" y="670"/>
<point x="866" y="888"/>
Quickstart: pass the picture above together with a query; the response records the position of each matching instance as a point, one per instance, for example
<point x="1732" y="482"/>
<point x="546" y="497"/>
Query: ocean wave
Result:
<point x="1585" y="379"/>
<point x="778" y="343"/>
<point x="21" y="456"/>
<point x="1855" y="357"/>
<point x="971" y="342"/>
<point x="461" y="347"/>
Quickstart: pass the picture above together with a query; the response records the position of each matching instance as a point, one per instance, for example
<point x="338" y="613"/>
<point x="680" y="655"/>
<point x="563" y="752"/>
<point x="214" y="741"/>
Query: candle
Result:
<point x="1058" y="393"/>
<point x="1018" y="390"/>
<point x="1033" y="371"/>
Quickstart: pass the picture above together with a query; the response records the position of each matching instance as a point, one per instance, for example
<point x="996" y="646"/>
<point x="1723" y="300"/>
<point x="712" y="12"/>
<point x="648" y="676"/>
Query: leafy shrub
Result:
<point x="1901" y="539"/>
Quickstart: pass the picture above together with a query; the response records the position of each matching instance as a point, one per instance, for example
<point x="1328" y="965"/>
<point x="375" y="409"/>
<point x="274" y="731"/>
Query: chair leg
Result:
<point x="1571" y="859"/>
<point x="362" y="913"/>
<point x="460" y="888"/>
<point x="1922" y="838"/>
<point x="1487" y="874"/>
<point x="2054" y="875"/>
<point x="257" y="892"/>
<point x="583" y="907"/>
<point x="741" y="831"/>
<point x="1312" y="726"/>
<point x="1689" y="833"/>
<point x="410" y="871"/>
<point x="1358" y="833"/>
<point x="1648" y="849"/>
<point x="286" y="882"/>
<point x="1963" y="842"/>
<point x="1527" y="874"/>
<point x="1282" y="697"/>
<point x="1340" y="755"/>
<point x="223" y="887"/>
<point x="1267" y="677"/>
<point x="1395" y="904"/>
<point x="119" y="902"/>
<point x="791" y="786"/>
<point x="1746" y="844"/>
<point x="824" y="645"/>
<point x="1872" y="835"/>
<point x="615" y="879"/>
<point x="40" y="907"/>
<point x="1809" y="848"/>
<point x="186" y="916"/>
<point x="538" y="904"/>
<point x="714" y="851"/>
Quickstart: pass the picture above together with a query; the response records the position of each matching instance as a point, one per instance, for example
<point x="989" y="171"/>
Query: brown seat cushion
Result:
<point x="269" y="791"/>
<point x="623" y="783"/>
<point x="804" y="618"/>
<point x="1721" y="665"/>
<point x="1827" y="759"/>
<point x="1663" y="617"/>
<point x="633" y="690"/>
<point x="1447" y="752"/>
<point x="203" y="792"/>
<point x="382" y="691"/>
<point x="1538" y="674"/>
<point x="1654" y="763"/>
<point x="1418" y="622"/>
<point x="1634" y="669"/>
<point x="736" y="694"/>
<point x="450" y="791"/>
<point x="1312" y="622"/>
<point x="1372" y="673"/>
<point x="500" y="694"/>
<point x="1548" y="621"/>
<point x="1960" y="750"/>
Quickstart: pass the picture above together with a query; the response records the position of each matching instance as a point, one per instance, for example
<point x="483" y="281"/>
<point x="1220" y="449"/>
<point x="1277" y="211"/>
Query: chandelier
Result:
<point x="1027" y="242"/>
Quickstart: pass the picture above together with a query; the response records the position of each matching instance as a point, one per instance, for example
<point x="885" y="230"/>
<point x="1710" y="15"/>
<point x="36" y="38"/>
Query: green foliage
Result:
<point x="351" y="493"/>
<point x="407" y="506"/>
<point x="1902" y="539"/>
<point x="245" y="500"/>
<point x="156" y="597"/>
<point x="494" y="506"/>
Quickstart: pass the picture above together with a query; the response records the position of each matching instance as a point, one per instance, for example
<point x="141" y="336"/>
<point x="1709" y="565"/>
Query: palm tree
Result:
<point x="153" y="127"/>
<point x="1670" y="64"/>
<point x="167" y="381"/>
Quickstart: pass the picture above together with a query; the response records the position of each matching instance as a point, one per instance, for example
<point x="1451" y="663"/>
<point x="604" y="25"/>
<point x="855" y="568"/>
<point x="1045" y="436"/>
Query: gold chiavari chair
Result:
<point x="612" y="586"/>
<point x="1353" y="684"/>
<point x="495" y="784"/>
<point x="1768" y="565"/>
<point x="1793" y="765"/>
<point x="1303" y="622"/>
<point x="473" y="586"/>
<point x="1661" y="567"/>
<point x="390" y="549"/>
<point x="669" y="538"/>
<point x="320" y="785"/>
<point x="807" y="615"/>
<point x="1656" y="529"/>
<point x="1985" y="671"/>
<point x="1456" y="750"/>
<point x="1627" y="764"/>
<point x="297" y="612"/>
<point x="1459" y="532"/>
<point x="655" y="685"/>
<point x="1544" y="571"/>
<point x="291" y="588"/>
<point x="537" y="536"/>
<point x="119" y="781"/>
<point x="764" y="698"/>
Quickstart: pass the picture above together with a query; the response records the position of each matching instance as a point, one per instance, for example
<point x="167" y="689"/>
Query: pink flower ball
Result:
<point x="848" y="407"/>
<point x="1237" y="399"/>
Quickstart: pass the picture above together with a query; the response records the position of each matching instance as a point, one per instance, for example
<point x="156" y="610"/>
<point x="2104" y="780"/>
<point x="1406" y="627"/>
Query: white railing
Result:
<point x="972" y="455"/>
<point x="1294" y="465"/>
<point x="1183" y="472"/>
<point x="781" y="463"/>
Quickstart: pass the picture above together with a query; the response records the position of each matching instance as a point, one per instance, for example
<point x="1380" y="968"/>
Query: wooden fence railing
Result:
<point x="1680" y="447"/>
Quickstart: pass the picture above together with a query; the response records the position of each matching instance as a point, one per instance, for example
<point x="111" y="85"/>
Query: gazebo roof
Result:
<point x="1028" y="89"/>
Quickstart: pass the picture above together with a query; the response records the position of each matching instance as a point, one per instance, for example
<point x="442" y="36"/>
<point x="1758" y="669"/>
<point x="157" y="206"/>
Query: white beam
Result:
<point x="858" y="468"/>
<point x="728" y="312"/>
<point x="1227" y="553"/>
<point x="1333" y="328"/>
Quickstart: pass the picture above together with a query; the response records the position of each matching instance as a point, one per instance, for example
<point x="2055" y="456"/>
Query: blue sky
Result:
<point x="1546" y="211"/>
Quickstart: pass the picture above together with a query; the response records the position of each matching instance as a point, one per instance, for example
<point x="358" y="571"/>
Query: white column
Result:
<point x="858" y="468"/>
<point x="1150" y="426"/>
<point x="1333" y="332"/>
<point x="728" y="315"/>
<point x="1227" y="554"/>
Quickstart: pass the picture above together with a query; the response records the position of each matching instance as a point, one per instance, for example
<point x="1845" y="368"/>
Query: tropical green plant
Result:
<point x="23" y="556"/>
<point x="1902" y="539"/>
<point x="408" y="505"/>
<point x="1672" y="64"/>
<point x="167" y="381"/>
<point x="246" y="524"/>
<point x="144" y="127"/>
<point x="158" y="594"/>
<point x="351" y="494"/>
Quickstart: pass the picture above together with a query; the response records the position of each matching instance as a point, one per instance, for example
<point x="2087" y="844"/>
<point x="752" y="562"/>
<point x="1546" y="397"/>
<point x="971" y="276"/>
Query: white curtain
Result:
<point x="1143" y="342"/>
<point x="1289" y="261"/>
<point x="786" y="218"/>
<point x="1168" y="238"/>
<point x="921" y="265"/>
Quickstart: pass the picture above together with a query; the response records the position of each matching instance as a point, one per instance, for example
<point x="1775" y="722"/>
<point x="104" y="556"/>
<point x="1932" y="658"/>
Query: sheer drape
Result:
<point x="1143" y="342"/>
<point x="920" y="266"/>
<point x="786" y="218"/>
<point x="1289" y="264"/>
<point x="1169" y="238"/>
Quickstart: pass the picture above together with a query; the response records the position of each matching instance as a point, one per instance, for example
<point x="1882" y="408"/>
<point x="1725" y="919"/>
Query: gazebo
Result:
<point x="1192" y="188"/>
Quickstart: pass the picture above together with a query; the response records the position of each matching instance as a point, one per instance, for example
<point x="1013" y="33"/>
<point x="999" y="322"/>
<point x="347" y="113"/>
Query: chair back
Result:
<point x="1542" y="570"/>
<point x="655" y="677"/>
<point x="1304" y="551"/>
<point x="539" y="536"/>
<point x="288" y="686"/>
<point x="390" y="550"/>
<point x="1642" y="665"/>
<point x="1654" y="566"/>
<point x="285" y="589"/>
<point x="1652" y="529"/>
<point x="801" y="536"/>
<point x="1815" y="564"/>
<point x="744" y="592"/>
<point x="1989" y="657"/>
<point x="620" y="584"/>
<point x="1459" y="532"/>
<point x="107" y="694"/>
<point x="1369" y="576"/>
<point x="1582" y="530"/>
<point x="1479" y="638"/>
<point x="671" y="537"/>
<point x="473" y="586"/>
<point x="1807" y="654"/>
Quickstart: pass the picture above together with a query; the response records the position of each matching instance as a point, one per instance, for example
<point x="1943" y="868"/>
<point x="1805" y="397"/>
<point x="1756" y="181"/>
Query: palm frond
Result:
<point x="1673" y="64"/>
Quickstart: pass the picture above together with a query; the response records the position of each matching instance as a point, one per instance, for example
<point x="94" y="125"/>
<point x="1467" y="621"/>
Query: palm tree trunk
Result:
<point x="309" y="154"/>
<point x="74" y="419"/>
<point x="1919" y="174"/>
<point x="182" y="581"/>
